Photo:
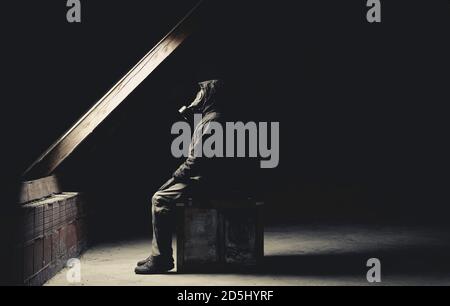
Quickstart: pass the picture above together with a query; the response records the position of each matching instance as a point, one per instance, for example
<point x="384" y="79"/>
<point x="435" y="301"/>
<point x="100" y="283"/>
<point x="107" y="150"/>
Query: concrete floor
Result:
<point x="294" y="255"/>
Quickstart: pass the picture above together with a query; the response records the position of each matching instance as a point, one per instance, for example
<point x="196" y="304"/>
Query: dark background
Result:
<point x="362" y="107"/>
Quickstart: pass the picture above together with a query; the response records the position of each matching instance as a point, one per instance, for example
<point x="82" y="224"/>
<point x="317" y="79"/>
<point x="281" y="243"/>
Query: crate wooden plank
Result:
<point x="38" y="221"/>
<point x="38" y="255"/>
<point x="56" y="246"/>
<point x="56" y="216"/>
<point x="62" y="212"/>
<point x="201" y="244"/>
<point x="63" y="241"/>
<point x="48" y="219"/>
<point x="240" y="236"/>
<point x="47" y="250"/>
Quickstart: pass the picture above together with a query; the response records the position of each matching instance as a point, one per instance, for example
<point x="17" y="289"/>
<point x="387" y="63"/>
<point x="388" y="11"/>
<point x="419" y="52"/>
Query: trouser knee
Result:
<point x="160" y="205"/>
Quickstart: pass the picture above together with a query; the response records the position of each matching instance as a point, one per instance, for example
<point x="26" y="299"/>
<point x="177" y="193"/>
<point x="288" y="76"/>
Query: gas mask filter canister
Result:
<point x="188" y="111"/>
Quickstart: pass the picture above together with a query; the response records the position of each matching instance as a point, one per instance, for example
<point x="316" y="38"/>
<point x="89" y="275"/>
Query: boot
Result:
<point x="153" y="266"/>
<point x="144" y="261"/>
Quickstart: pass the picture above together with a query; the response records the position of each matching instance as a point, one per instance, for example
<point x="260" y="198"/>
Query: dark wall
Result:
<point x="361" y="106"/>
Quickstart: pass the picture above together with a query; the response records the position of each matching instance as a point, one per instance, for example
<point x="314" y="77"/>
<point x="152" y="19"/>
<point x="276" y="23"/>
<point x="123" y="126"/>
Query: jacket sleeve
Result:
<point x="194" y="165"/>
<point x="186" y="170"/>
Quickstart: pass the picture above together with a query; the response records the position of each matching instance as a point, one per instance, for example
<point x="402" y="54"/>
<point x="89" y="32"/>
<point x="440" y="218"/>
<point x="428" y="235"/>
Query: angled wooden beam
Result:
<point x="66" y="144"/>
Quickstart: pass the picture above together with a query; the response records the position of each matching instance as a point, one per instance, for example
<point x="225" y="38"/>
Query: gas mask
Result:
<point x="196" y="106"/>
<point x="205" y="101"/>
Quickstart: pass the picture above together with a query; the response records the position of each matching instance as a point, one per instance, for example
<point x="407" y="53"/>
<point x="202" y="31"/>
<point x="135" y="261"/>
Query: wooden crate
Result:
<point x="219" y="234"/>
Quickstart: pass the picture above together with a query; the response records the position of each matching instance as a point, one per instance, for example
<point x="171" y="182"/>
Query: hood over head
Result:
<point x="208" y="99"/>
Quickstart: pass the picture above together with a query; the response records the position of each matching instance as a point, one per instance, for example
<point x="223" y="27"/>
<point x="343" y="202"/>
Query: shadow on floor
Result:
<point x="408" y="261"/>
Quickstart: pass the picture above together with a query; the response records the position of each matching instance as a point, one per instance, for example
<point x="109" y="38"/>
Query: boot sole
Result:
<point x="164" y="271"/>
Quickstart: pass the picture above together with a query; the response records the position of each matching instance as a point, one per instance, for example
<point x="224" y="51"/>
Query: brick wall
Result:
<point x="50" y="231"/>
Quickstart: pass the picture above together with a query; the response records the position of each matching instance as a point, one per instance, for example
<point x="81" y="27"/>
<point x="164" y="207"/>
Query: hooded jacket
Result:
<point x="208" y="103"/>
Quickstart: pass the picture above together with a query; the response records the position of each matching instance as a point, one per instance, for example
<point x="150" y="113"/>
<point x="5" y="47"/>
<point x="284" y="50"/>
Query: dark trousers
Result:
<point x="163" y="208"/>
